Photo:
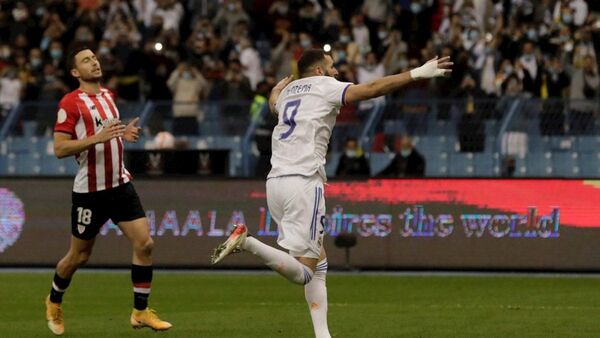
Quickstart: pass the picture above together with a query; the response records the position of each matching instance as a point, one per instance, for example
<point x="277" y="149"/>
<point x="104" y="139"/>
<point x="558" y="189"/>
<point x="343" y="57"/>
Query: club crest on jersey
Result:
<point x="80" y="228"/>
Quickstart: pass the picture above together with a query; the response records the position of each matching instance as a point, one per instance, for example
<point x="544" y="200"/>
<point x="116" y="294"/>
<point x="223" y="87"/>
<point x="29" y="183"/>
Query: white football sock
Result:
<point x="316" y="297"/>
<point x="279" y="261"/>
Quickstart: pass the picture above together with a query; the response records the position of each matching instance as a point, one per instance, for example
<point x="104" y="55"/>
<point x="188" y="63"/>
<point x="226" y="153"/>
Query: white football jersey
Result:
<point x="307" y="110"/>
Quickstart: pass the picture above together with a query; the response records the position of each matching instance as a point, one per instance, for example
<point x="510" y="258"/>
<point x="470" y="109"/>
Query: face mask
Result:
<point x="508" y="69"/>
<point x="83" y="38"/>
<point x="186" y="75"/>
<point x="405" y="152"/>
<point x="56" y="53"/>
<point x="19" y="14"/>
<point x="382" y="35"/>
<point x="283" y="9"/>
<point x="5" y="53"/>
<point x="370" y="67"/>
<point x="341" y="55"/>
<point x="344" y="38"/>
<point x="415" y="7"/>
<point x="36" y="63"/>
<point x="231" y="7"/>
<point x="50" y="78"/>
<point x="567" y="18"/>
<point x="103" y="50"/>
<point x="305" y="43"/>
<point x="532" y="35"/>
<point x="351" y="153"/>
<point x="238" y="48"/>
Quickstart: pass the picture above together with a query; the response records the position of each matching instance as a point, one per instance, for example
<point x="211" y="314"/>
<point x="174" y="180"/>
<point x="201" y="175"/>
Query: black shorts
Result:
<point x="91" y="210"/>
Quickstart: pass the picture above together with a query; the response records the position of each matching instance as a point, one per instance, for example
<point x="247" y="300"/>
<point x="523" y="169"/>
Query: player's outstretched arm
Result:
<point x="65" y="146"/>
<point x="432" y="68"/>
<point x="277" y="90"/>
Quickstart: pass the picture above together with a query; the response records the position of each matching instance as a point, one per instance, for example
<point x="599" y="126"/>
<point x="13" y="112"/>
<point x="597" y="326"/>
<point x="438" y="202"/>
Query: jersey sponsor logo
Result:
<point x="12" y="217"/>
<point x="80" y="228"/>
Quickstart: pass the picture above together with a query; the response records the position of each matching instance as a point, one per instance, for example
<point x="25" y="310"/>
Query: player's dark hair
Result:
<point x="309" y="58"/>
<point x="72" y="53"/>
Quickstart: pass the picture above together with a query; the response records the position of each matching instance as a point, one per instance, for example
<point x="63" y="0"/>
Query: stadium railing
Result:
<point x="463" y="137"/>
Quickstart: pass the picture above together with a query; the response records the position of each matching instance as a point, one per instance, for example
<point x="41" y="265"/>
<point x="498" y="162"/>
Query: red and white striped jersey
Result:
<point x="82" y="115"/>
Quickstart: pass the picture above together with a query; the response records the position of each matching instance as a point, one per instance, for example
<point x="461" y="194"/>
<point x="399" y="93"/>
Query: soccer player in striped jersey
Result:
<point x="307" y="110"/>
<point x="88" y="127"/>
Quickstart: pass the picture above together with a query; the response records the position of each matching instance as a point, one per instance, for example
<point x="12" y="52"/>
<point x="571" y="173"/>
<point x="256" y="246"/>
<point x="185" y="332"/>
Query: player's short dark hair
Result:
<point x="73" y="53"/>
<point x="309" y="58"/>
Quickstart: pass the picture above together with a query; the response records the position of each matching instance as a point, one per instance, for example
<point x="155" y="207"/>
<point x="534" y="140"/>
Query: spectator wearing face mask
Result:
<point x="370" y="71"/>
<point x="56" y="53"/>
<point x="408" y="162"/>
<point x="250" y="60"/>
<point x="584" y="94"/>
<point x="361" y="34"/>
<point x="52" y="90"/>
<point x="353" y="161"/>
<point x="228" y="16"/>
<point x="348" y="50"/>
<point x="11" y="91"/>
<point x="554" y="82"/>
<point x="282" y="61"/>
<point x="189" y="89"/>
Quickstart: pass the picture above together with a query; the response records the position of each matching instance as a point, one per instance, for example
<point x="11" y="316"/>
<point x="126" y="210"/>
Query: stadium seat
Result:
<point x="590" y="164"/>
<point x="332" y="163"/>
<point x="24" y="164"/>
<point x="461" y="165"/>
<point x="533" y="127"/>
<point x="379" y="161"/>
<point x="565" y="164"/>
<point x="538" y="144"/>
<point x="588" y="144"/>
<point x="435" y="144"/>
<point x="29" y="128"/>
<point x="562" y="143"/>
<point x="436" y="164"/>
<point x="484" y="164"/>
<point x="18" y="144"/>
<point x="539" y="164"/>
<point x="394" y="127"/>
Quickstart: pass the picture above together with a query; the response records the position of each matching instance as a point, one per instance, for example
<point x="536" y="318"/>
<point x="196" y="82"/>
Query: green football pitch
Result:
<point x="98" y="304"/>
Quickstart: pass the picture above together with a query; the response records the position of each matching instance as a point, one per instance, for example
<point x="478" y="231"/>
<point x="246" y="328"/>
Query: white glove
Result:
<point x="429" y="70"/>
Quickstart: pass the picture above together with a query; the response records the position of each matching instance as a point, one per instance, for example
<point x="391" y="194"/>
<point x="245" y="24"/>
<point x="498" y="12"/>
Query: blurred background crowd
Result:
<point x="214" y="50"/>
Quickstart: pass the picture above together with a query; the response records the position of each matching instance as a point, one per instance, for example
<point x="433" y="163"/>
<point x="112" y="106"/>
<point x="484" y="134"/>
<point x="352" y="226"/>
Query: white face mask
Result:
<point x="405" y="152"/>
<point x="305" y="43"/>
<point x="415" y="7"/>
<point x="19" y="14"/>
<point x="351" y="153"/>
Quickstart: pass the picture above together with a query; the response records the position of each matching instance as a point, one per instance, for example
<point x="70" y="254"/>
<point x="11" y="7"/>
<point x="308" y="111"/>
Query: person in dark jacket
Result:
<point x="408" y="162"/>
<point x="353" y="161"/>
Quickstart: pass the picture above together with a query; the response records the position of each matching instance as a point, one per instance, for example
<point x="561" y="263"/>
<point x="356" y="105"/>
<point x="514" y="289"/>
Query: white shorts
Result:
<point x="297" y="204"/>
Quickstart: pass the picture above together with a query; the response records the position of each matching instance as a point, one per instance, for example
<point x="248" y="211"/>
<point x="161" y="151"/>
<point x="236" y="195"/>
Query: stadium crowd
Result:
<point x="202" y="51"/>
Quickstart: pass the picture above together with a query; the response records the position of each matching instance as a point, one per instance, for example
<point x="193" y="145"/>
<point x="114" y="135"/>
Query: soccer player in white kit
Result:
<point x="307" y="110"/>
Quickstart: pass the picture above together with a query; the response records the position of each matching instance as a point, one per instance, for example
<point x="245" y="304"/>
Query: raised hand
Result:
<point x="284" y="82"/>
<point x="433" y="68"/>
<point x="132" y="131"/>
<point x="277" y="90"/>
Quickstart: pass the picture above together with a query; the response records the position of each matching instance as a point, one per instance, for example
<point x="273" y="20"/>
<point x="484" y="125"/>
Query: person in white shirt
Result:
<point x="307" y="109"/>
<point x="251" y="62"/>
